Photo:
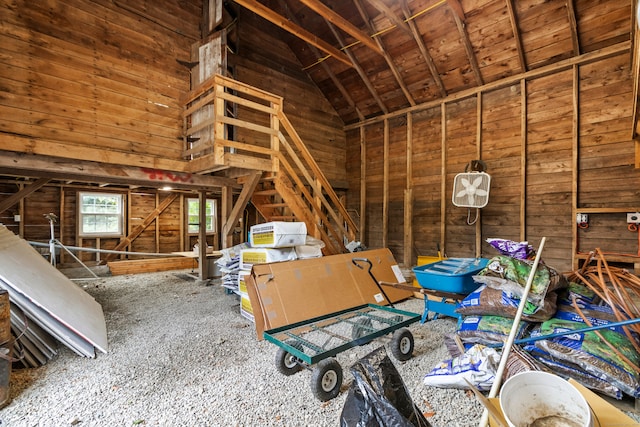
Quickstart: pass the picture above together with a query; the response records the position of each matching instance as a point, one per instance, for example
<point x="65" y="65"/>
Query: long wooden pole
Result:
<point x="512" y="334"/>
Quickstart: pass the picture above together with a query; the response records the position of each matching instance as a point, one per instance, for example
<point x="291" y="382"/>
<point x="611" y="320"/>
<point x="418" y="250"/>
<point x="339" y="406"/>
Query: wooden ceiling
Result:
<point x="375" y="57"/>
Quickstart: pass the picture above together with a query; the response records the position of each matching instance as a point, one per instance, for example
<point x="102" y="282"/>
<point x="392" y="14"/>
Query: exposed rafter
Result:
<point x="423" y="49"/>
<point x="342" y="23"/>
<point x="387" y="57"/>
<point x="573" y="26"/>
<point x="285" y="6"/>
<point x="360" y="71"/>
<point x="516" y="35"/>
<point x="464" y="36"/>
<point x="297" y="31"/>
<point x="386" y="11"/>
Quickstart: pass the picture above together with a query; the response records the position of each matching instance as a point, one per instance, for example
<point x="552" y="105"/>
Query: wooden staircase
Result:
<point x="247" y="129"/>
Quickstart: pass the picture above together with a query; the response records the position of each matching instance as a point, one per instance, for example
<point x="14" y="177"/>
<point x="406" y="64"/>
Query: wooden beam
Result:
<point x="456" y="7"/>
<point x="345" y="94"/>
<point x="516" y="35"/>
<point x="385" y="186"/>
<point x="423" y="49"/>
<point x="363" y="184"/>
<point x="386" y="11"/>
<point x="86" y="171"/>
<point x="342" y="23"/>
<point x="471" y="55"/>
<point x="443" y="176"/>
<point x="297" y="31"/>
<point x="385" y="54"/>
<point x="248" y="188"/>
<point x="523" y="160"/>
<point x="408" y="197"/>
<point x="573" y="26"/>
<point x="360" y="71"/>
<point x="575" y="164"/>
<point x="140" y="228"/>
<point x="24" y="192"/>
<point x="203" y="265"/>
<point x="49" y="147"/>
<point x="226" y="207"/>
<point x="585" y="58"/>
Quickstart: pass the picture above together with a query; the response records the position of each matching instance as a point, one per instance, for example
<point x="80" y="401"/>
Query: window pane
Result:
<point x="101" y="213"/>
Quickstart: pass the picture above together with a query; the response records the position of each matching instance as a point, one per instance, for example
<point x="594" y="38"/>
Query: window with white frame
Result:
<point x="100" y="214"/>
<point x="193" y="216"/>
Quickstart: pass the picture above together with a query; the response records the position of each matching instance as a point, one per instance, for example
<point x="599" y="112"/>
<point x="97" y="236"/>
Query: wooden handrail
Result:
<point x="280" y="144"/>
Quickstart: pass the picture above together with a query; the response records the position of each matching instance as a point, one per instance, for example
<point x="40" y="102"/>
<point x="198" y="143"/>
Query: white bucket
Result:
<point x="534" y="398"/>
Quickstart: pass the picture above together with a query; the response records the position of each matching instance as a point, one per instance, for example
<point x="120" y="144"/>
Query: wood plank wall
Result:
<point x="95" y="79"/>
<point x="548" y="160"/>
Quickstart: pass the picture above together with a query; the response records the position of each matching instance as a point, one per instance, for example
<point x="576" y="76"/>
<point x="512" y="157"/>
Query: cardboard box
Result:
<point x="249" y="257"/>
<point x="294" y="291"/>
<point x="278" y="234"/>
<point x="606" y="414"/>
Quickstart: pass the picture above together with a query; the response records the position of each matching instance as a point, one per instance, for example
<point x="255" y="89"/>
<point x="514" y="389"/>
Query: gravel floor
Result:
<point x="180" y="354"/>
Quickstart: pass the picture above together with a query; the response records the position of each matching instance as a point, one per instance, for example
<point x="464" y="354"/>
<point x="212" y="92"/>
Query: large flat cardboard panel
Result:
<point x="50" y="294"/>
<point x="288" y="292"/>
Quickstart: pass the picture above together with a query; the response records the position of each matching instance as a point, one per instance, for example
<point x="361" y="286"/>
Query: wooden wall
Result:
<point x="555" y="145"/>
<point x="167" y="233"/>
<point x="99" y="79"/>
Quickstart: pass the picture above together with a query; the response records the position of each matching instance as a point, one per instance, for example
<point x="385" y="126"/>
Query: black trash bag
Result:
<point x="378" y="397"/>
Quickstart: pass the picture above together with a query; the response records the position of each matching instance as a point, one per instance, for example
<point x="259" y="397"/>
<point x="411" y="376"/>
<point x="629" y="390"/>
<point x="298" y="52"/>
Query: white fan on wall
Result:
<point x="471" y="189"/>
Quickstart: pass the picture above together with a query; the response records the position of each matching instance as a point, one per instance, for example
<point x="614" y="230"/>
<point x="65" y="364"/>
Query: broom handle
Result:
<point x="512" y="334"/>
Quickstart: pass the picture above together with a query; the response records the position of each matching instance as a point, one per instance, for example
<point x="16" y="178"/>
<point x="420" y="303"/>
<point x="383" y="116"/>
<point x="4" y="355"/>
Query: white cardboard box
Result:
<point x="278" y="234"/>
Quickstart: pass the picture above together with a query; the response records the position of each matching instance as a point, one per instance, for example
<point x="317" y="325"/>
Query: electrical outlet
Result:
<point x="633" y="218"/>
<point x="582" y="218"/>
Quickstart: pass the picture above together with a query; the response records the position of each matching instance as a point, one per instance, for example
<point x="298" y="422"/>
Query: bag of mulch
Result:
<point x="489" y="301"/>
<point x="477" y="365"/>
<point x="378" y="396"/>
<point x="568" y="370"/>
<point x="519" y="361"/>
<point x="581" y="293"/>
<point x="592" y="355"/>
<point x="511" y="275"/>
<point x="488" y="330"/>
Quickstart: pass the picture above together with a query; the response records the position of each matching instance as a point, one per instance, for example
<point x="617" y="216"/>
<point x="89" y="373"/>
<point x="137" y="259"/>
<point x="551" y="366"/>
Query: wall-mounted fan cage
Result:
<point x="471" y="188"/>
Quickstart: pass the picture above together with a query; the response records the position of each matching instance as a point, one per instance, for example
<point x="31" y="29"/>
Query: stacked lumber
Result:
<point x="134" y="266"/>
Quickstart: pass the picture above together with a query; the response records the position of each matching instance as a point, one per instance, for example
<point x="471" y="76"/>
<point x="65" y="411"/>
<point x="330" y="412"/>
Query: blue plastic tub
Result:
<point x="450" y="275"/>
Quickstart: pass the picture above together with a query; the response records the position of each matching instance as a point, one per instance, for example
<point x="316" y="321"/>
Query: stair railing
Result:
<point x="261" y="137"/>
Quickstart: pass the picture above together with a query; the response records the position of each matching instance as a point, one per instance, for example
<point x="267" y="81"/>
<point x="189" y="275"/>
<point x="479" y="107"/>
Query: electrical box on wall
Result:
<point x="582" y="218"/>
<point x="16" y="218"/>
<point x="633" y="218"/>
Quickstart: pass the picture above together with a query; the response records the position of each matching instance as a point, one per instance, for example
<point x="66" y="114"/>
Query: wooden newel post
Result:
<point x="6" y="347"/>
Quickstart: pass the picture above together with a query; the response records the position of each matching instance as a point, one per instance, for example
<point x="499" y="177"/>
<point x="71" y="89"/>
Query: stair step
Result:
<point x="270" y="192"/>
<point x="274" y="205"/>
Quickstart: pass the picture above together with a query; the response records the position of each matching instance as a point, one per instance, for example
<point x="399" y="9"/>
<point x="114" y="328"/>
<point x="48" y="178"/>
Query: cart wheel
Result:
<point x="286" y="363"/>
<point x="402" y="344"/>
<point x="361" y="329"/>
<point x="326" y="379"/>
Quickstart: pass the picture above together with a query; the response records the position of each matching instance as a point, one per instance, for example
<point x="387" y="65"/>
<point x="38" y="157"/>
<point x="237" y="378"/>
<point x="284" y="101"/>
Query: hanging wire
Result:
<point x="469" y="222"/>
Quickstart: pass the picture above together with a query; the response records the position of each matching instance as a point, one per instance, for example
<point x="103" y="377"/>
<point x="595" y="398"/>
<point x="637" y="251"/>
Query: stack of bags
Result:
<point x="605" y="360"/>
<point x="269" y="242"/>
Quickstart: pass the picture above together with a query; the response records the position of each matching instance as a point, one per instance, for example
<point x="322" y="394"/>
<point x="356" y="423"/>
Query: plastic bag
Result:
<point x="477" y="365"/>
<point x="378" y="396"/>
<point x="519" y="250"/>
<point x="488" y="301"/>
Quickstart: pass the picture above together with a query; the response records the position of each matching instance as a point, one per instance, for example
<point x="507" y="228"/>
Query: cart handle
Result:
<point x="356" y="262"/>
